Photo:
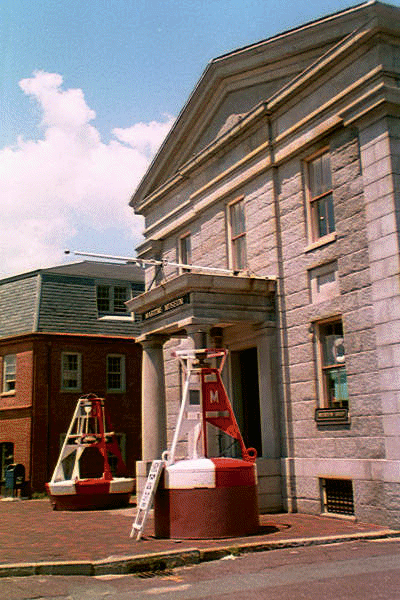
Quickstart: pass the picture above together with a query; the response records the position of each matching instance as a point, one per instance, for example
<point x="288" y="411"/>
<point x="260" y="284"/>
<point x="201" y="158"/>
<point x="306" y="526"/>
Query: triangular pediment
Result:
<point x="233" y="85"/>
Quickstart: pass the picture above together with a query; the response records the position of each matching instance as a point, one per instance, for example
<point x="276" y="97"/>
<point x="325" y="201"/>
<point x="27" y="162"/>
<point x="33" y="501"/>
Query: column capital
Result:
<point x="198" y="332"/>
<point x="153" y="340"/>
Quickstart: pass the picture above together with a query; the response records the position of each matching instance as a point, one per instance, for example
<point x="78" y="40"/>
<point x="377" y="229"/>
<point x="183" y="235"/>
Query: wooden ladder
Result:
<point x="146" y="500"/>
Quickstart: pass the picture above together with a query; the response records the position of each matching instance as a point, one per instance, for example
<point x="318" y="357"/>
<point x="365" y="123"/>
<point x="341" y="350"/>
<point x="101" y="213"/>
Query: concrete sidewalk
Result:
<point x="37" y="540"/>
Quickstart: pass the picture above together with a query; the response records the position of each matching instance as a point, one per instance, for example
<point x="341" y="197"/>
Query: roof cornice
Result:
<point x="220" y="68"/>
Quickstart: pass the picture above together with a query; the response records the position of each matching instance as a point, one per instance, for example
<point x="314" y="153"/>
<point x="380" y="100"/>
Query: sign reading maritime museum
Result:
<point x="166" y="307"/>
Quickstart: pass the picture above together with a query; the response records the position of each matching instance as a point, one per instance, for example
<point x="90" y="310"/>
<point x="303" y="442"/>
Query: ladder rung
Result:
<point x="147" y="497"/>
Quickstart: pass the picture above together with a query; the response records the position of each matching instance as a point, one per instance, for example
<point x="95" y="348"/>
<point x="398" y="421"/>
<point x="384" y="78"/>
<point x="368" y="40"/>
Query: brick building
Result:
<point x="65" y="332"/>
<point x="284" y="166"/>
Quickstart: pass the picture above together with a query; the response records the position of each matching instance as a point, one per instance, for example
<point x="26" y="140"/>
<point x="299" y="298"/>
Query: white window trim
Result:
<point x="122" y="388"/>
<point x="111" y="314"/>
<point x="78" y="388"/>
<point x="5" y="391"/>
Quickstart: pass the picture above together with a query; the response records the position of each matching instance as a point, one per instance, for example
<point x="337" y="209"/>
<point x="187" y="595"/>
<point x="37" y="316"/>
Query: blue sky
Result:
<point x="88" y="90"/>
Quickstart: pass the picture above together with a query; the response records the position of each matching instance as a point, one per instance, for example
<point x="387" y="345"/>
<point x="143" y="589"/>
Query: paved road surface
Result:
<point x="362" y="570"/>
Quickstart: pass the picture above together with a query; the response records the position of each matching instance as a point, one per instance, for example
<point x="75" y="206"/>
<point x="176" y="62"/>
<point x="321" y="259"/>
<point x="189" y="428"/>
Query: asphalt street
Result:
<point x="358" y="570"/>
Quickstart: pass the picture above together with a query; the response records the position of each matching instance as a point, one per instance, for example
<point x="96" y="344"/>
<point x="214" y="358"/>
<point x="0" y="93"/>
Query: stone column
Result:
<point x="154" y="437"/>
<point x="154" y="430"/>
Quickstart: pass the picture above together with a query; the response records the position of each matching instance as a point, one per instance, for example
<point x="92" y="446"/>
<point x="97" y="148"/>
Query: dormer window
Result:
<point x="111" y="299"/>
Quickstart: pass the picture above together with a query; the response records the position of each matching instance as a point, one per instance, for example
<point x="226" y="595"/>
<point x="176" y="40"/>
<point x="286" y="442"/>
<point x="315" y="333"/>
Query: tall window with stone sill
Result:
<point x="237" y="230"/>
<point x="320" y="198"/>
<point x="333" y="377"/>
<point x="185" y="251"/>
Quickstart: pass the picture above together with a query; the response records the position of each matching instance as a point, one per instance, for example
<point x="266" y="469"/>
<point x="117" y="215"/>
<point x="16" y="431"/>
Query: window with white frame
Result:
<point x="9" y="372"/>
<point x="115" y="373"/>
<point x="237" y="232"/>
<point x="71" y="371"/>
<point x="321" y="215"/>
<point x="185" y="250"/>
<point x="332" y="365"/>
<point x="111" y="299"/>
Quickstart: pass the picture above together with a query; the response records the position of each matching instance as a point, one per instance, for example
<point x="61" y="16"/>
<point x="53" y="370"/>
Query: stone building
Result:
<point x="284" y="168"/>
<point x="64" y="332"/>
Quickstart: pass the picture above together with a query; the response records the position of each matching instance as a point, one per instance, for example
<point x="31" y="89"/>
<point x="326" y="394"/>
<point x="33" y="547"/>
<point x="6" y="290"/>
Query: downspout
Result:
<point x="35" y="371"/>
<point x="287" y="442"/>
<point x="48" y="407"/>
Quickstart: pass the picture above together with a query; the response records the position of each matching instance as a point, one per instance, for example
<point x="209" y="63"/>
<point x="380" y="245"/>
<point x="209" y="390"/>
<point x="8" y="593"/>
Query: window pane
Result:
<point x="324" y="215"/>
<point x="336" y="382"/>
<point x="237" y="218"/>
<point x="115" y="373"/>
<point x="71" y="371"/>
<point x="320" y="175"/>
<point x="330" y="214"/>
<point x="9" y="372"/>
<point x="333" y="365"/>
<point x="239" y="253"/>
<point x="315" y="177"/>
<point x="238" y="235"/>
<point x="185" y="250"/>
<point x="320" y="196"/>
<point x="326" y="172"/>
<point x="120" y="297"/>
<point x="322" y="222"/>
<point x="114" y="381"/>
<point x="103" y="298"/>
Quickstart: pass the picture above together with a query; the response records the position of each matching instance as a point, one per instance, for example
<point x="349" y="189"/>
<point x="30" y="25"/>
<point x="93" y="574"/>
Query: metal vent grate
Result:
<point x="338" y="496"/>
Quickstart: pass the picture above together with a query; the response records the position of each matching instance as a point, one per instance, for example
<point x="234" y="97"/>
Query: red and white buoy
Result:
<point x="90" y="433"/>
<point x="201" y="496"/>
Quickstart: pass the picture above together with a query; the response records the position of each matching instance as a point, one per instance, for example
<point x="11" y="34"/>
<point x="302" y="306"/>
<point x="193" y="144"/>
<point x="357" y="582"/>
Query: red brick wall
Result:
<point x="124" y="408"/>
<point x="15" y="407"/>
<point x="22" y="397"/>
<point x="38" y="399"/>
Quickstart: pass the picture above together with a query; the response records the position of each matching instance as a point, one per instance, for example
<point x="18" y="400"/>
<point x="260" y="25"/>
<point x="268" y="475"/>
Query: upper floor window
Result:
<point x="320" y="197"/>
<point x="185" y="250"/>
<point x="71" y="371"/>
<point x="9" y="372"/>
<point x="237" y="229"/>
<point x="111" y="299"/>
<point x="333" y="378"/>
<point x="115" y="373"/>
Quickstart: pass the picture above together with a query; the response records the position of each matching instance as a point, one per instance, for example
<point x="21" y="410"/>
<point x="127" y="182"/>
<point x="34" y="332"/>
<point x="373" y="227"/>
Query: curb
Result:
<point x="161" y="561"/>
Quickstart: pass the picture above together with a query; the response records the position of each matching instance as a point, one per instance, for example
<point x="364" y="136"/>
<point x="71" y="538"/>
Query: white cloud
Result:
<point x="54" y="188"/>
<point x="145" y="137"/>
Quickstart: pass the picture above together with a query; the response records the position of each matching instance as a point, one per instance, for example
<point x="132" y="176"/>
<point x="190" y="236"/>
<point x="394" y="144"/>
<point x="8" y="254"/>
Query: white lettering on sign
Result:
<point x="214" y="397"/>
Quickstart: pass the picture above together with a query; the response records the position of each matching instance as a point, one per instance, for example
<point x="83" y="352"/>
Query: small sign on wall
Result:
<point x="332" y="416"/>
